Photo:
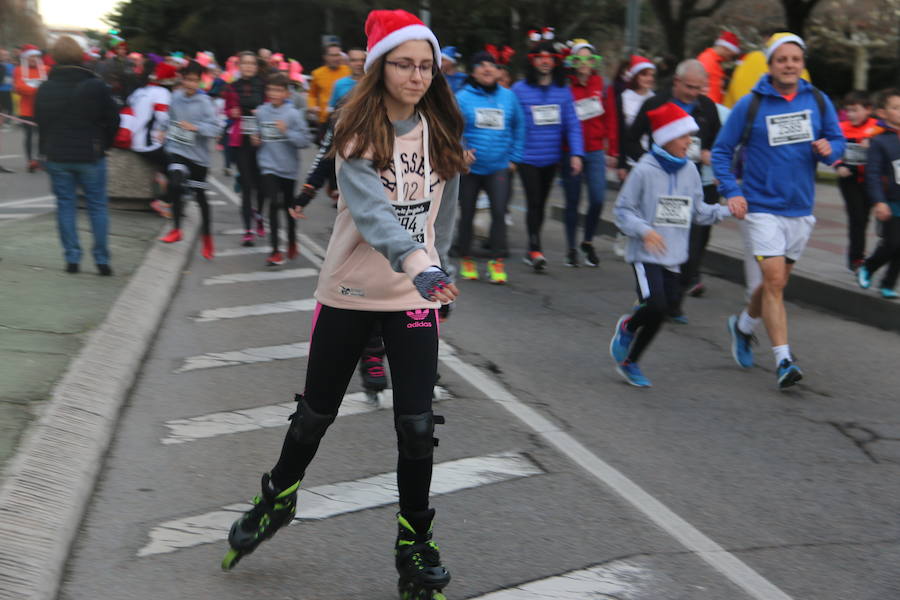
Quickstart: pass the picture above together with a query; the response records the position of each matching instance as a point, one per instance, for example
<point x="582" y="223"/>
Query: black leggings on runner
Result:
<point x="858" y="207"/>
<point x="887" y="253"/>
<point x="338" y="339"/>
<point x="497" y="187"/>
<point x="280" y="192"/>
<point x="184" y="173"/>
<point x="537" y="182"/>
<point x="251" y="181"/>
<point x="659" y="290"/>
<point x="29" y="141"/>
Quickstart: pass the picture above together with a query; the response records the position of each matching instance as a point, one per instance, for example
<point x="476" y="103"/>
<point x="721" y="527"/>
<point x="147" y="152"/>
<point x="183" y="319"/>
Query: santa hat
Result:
<point x="669" y="122"/>
<point x="29" y="50"/>
<point x="165" y="74"/>
<point x="637" y="64"/>
<point x="730" y="41"/>
<point x="450" y="53"/>
<point x="779" y="39"/>
<point x="387" y="29"/>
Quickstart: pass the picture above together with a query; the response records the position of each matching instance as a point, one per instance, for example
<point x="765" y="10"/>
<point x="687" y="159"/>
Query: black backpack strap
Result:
<point x="820" y="101"/>
<point x="751" y="116"/>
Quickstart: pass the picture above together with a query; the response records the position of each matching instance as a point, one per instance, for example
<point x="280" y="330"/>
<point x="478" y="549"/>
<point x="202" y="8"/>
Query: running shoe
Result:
<point x="292" y="251"/>
<point x="536" y="260"/>
<point x="571" y="258"/>
<point x="497" y="271"/>
<point x="863" y="277"/>
<point x="275" y="259"/>
<point x="788" y="374"/>
<point x="696" y="290"/>
<point x="856" y="264"/>
<point x="632" y="374"/>
<point x="590" y="255"/>
<point x="889" y="294"/>
<point x="621" y="340"/>
<point x="171" y="237"/>
<point x="741" y="344"/>
<point x="679" y="319"/>
<point x="468" y="269"/>
<point x="248" y="239"/>
<point x="620" y="245"/>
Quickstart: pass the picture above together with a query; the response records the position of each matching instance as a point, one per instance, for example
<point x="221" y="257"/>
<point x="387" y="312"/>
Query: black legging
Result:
<point x="858" y="207"/>
<point x="887" y="252"/>
<point x="659" y="290"/>
<point x="497" y="187"/>
<point x="29" y="141"/>
<point x="178" y="179"/>
<point x="338" y="339"/>
<point x="279" y="192"/>
<point x="537" y="182"/>
<point x="690" y="271"/>
<point x="251" y="181"/>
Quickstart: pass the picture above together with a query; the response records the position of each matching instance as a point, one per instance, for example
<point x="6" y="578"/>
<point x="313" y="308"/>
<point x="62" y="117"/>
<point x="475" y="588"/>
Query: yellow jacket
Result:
<point x="321" y="82"/>
<point x="747" y="74"/>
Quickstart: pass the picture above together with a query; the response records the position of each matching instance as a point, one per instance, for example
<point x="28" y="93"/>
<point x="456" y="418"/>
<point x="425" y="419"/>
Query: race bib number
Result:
<point x="896" y="165"/>
<point x="791" y="128"/>
<point x="35" y="83"/>
<point x="855" y="154"/>
<point x="588" y="108"/>
<point x="249" y="125"/>
<point x="178" y="134"/>
<point x="673" y="211"/>
<point x="269" y="132"/>
<point x="546" y="114"/>
<point x="694" y="150"/>
<point x="413" y="217"/>
<point x="490" y="118"/>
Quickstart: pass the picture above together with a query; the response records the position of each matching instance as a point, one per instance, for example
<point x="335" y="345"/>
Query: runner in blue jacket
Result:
<point x="550" y="121"/>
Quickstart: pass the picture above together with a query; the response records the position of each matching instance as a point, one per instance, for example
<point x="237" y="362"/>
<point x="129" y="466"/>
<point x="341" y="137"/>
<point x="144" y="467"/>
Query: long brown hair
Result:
<point x="363" y="125"/>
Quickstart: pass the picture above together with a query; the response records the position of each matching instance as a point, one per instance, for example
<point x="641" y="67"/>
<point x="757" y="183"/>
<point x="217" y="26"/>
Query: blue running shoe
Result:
<point x="632" y="374"/>
<point x="788" y="374"/>
<point x="621" y="340"/>
<point x="863" y="277"/>
<point x="889" y="294"/>
<point x="741" y="344"/>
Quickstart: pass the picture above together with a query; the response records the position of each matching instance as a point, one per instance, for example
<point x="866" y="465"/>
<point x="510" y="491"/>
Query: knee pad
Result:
<point x="415" y="435"/>
<point x="308" y="426"/>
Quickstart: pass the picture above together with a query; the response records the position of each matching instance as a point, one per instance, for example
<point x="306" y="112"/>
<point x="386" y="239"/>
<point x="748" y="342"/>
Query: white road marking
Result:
<point x="331" y="500"/>
<point x="10" y="156"/>
<point x="243" y="251"/>
<point x="603" y="582"/>
<point x="260" y="276"/>
<point x="213" y="360"/>
<point x="252" y="310"/>
<point x="217" y="203"/>
<point x="737" y="571"/>
<point x="26" y="201"/>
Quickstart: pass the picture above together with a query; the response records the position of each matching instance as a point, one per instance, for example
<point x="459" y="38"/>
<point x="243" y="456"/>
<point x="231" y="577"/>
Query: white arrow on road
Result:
<point x="252" y="310"/>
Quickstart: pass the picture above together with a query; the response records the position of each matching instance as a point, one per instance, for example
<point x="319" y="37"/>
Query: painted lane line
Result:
<point x="603" y="582"/>
<point x="737" y="571"/>
<point x="260" y="276"/>
<point x="26" y="201"/>
<point x="217" y="202"/>
<point x="326" y="501"/>
<point x="247" y="356"/>
<point x="252" y="310"/>
<point x="243" y="251"/>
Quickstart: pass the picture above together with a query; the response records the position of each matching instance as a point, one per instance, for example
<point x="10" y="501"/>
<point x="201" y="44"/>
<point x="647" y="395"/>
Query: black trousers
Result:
<point x="537" y="182"/>
<point x="338" y="339"/>
<point x="858" y="207"/>
<point x="182" y="173"/>
<point x="251" y="181"/>
<point x="280" y="191"/>
<point x="887" y="253"/>
<point x="659" y="291"/>
<point x="690" y="271"/>
<point x="497" y="187"/>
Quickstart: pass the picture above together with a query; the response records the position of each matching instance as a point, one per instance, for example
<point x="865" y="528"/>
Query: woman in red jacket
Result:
<point x="27" y="78"/>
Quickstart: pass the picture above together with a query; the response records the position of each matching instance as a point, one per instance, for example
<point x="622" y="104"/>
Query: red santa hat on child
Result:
<point x="670" y="121"/>
<point x="164" y="74"/>
<point x="387" y="29"/>
<point x="638" y="64"/>
<point x="29" y="50"/>
<point x="730" y="41"/>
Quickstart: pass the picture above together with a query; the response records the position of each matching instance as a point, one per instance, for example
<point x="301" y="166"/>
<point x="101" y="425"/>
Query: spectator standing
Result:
<point x="27" y="78"/>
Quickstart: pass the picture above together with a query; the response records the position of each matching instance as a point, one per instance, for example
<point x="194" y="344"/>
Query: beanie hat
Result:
<point x="482" y="56"/>
<point x="779" y="39"/>
<point x="579" y="43"/>
<point x="387" y="29"/>
<point x="729" y="40"/>
<point x="165" y="74"/>
<point x="637" y="64"/>
<point x="451" y="54"/>
<point x="670" y="121"/>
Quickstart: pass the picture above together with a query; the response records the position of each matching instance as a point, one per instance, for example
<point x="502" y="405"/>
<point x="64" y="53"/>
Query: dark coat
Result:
<point x="76" y="115"/>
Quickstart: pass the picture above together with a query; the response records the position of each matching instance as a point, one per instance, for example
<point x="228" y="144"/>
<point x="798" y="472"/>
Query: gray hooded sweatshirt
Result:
<point x="278" y="152"/>
<point x="197" y="110"/>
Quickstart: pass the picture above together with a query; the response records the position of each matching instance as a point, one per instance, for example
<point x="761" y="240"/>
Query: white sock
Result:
<point x="746" y="324"/>
<point x="781" y="353"/>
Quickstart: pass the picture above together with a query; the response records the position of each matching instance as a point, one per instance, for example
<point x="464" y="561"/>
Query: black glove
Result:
<point x="304" y="197"/>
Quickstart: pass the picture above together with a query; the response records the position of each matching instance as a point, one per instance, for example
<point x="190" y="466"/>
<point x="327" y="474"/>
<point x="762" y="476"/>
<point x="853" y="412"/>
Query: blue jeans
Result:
<point x="65" y="178"/>
<point x="594" y="170"/>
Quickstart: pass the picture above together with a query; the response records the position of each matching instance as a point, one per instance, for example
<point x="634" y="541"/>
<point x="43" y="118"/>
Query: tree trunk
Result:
<point x="861" y="68"/>
<point x="796" y="13"/>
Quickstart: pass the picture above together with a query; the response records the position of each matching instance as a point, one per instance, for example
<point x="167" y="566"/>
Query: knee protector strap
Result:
<point x="415" y="434"/>
<point x="308" y="426"/>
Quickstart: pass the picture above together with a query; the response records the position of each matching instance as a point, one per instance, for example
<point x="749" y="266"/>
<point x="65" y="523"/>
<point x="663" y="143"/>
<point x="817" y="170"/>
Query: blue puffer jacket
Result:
<point x="544" y="143"/>
<point x="496" y="137"/>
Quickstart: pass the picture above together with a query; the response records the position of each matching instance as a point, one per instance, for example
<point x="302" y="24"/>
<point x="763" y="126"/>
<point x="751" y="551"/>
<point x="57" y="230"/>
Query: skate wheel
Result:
<point x="231" y="559"/>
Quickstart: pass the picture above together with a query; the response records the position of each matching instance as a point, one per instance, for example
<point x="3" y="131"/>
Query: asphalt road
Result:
<point x="799" y="490"/>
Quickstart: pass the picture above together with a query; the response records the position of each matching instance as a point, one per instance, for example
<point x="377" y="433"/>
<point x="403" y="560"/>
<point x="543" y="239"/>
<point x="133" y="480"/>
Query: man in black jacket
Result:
<point x="687" y="92"/>
<point x="77" y="120"/>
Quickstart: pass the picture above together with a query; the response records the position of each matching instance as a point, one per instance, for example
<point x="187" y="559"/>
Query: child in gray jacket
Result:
<point x="655" y="208"/>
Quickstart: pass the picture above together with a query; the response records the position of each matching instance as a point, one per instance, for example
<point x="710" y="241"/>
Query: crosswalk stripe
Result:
<point x="326" y="501"/>
<point x="252" y="310"/>
<point x="243" y="251"/>
<point x="26" y="201"/>
<point x="246" y="356"/>
<point x="259" y="276"/>
<point x="603" y="582"/>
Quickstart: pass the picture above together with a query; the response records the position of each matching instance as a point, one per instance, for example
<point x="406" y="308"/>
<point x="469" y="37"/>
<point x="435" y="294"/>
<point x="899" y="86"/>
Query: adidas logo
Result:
<point x="420" y="314"/>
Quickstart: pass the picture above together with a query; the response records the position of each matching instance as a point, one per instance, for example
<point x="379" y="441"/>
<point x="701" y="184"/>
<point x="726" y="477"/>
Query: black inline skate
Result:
<point x="371" y="369"/>
<point x="418" y="559"/>
<point x="272" y="510"/>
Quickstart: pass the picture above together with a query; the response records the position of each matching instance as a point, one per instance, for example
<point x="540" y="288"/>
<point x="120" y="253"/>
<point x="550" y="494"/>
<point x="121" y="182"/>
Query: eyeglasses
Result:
<point x="426" y="70"/>
<point x="579" y="60"/>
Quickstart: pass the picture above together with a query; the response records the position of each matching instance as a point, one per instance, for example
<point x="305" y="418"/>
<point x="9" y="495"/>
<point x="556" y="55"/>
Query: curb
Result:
<point x="52" y="476"/>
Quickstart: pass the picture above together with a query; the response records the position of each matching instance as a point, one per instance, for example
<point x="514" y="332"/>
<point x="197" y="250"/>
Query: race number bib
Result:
<point x="896" y="165"/>
<point x="588" y="108"/>
<point x="694" y="150"/>
<point x="269" y="132"/>
<point x="546" y="114"/>
<point x="791" y="128"/>
<point x="413" y="217"/>
<point x="490" y="118"/>
<point x="855" y="154"/>
<point x="35" y="83"/>
<point x="673" y="211"/>
<point x="249" y="125"/>
<point x="181" y="135"/>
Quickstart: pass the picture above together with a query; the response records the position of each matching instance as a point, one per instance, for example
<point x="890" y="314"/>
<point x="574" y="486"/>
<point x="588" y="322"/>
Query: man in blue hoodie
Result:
<point x="792" y="125"/>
